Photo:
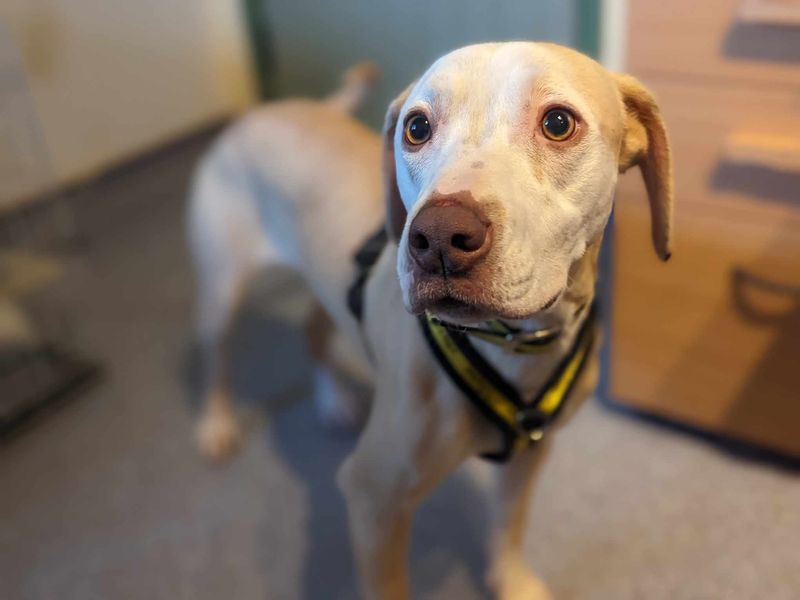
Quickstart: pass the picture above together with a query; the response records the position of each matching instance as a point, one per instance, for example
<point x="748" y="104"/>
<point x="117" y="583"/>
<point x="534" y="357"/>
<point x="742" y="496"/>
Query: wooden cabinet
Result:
<point x="712" y="338"/>
<point x="715" y="41"/>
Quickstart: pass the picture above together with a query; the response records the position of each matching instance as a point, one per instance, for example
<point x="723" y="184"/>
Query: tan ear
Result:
<point x="645" y="144"/>
<point x="395" y="210"/>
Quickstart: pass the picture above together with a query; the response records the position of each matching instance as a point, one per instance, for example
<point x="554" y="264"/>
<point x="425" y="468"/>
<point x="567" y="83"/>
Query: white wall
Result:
<point x="111" y="78"/>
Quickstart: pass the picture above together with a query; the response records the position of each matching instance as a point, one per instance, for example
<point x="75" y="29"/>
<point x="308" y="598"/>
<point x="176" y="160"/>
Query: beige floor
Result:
<point x="106" y="499"/>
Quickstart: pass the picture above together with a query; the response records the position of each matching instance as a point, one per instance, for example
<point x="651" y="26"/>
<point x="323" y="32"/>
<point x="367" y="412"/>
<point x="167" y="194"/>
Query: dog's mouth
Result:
<point x="464" y="302"/>
<point x="458" y="311"/>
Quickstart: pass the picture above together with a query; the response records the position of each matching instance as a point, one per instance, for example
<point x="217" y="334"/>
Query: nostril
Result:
<point x="467" y="242"/>
<point x="418" y="241"/>
<point x="460" y="241"/>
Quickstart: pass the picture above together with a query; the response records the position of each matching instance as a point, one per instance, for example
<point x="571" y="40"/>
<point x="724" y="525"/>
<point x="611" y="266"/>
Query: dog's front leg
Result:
<point x="409" y="445"/>
<point x="509" y="577"/>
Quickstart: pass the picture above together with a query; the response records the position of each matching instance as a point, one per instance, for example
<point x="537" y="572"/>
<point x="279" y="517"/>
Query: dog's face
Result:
<point x="501" y="164"/>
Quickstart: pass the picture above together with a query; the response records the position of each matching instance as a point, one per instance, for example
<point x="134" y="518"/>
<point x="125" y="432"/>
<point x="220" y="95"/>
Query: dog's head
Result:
<point x="501" y="163"/>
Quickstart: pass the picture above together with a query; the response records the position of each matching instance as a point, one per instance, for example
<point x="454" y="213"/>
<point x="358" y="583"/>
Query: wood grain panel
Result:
<point x="695" y="339"/>
<point x="712" y="40"/>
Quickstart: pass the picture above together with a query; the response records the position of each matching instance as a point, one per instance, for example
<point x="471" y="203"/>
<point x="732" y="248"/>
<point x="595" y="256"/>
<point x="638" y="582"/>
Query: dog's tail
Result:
<point x="357" y="82"/>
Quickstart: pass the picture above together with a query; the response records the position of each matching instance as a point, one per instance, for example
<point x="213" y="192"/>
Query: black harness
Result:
<point x="520" y="421"/>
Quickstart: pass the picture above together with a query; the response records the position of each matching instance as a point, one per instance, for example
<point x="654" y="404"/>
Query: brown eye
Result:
<point x="418" y="129"/>
<point x="558" y="124"/>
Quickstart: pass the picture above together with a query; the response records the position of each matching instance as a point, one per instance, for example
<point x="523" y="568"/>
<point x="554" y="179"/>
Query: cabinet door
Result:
<point x="712" y="338"/>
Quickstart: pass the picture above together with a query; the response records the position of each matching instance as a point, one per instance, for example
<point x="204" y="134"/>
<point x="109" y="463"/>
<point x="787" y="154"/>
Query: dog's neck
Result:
<point x="529" y="371"/>
<point x="580" y="290"/>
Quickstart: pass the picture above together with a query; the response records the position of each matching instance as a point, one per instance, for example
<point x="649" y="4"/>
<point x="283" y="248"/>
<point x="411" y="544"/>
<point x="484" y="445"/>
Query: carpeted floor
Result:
<point x="105" y="498"/>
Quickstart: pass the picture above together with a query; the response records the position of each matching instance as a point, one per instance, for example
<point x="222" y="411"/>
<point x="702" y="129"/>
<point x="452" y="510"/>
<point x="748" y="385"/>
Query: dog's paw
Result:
<point x="218" y="436"/>
<point x="517" y="582"/>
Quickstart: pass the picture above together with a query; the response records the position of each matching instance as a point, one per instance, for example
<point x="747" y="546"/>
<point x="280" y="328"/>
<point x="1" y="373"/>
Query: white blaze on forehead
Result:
<point x="476" y="97"/>
<point x="483" y="87"/>
<point x="514" y="69"/>
<point x="496" y="81"/>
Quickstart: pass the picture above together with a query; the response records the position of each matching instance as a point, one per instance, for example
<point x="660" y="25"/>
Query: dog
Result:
<point x="495" y="176"/>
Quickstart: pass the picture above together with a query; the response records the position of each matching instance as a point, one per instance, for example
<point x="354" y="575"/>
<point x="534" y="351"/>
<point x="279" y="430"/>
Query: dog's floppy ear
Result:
<point x="395" y="210"/>
<point x="645" y="144"/>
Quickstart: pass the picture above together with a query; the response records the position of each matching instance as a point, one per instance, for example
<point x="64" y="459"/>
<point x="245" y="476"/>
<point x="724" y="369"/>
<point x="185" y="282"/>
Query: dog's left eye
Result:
<point x="558" y="124"/>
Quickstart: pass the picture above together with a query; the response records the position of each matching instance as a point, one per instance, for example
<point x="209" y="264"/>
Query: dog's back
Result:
<point x="293" y="183"/>
<point x="296" y="183"/>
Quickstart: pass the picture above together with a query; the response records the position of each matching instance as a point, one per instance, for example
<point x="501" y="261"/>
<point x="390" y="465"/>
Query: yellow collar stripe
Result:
<point x="490" y="395"/>
<point x="555" y="395"/>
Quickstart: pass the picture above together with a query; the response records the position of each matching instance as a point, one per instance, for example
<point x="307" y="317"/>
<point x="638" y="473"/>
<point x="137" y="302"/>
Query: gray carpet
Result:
<point x="105" y="498"/>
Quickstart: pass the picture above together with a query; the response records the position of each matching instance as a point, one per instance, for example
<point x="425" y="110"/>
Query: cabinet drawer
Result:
<point x="717" y="39"/>
<point x="709" y="127"/>
<point x="713" y="337"/>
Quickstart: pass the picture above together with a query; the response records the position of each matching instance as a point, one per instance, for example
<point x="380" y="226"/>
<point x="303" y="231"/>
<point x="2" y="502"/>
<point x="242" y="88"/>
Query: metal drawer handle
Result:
<point x="741" y="279"/>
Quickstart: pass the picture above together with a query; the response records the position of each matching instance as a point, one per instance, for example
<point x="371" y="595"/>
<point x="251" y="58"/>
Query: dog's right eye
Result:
<point x="417" y="129"/>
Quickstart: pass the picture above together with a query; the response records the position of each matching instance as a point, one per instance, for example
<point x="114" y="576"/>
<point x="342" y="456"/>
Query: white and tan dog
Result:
<point x="499" y="168"/>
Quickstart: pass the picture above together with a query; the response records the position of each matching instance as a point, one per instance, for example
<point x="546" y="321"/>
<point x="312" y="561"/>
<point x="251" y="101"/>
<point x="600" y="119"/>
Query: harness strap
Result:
<point x="364" y="260"/>
<point x="480" y="383"/>
<point x="520" y="423"/>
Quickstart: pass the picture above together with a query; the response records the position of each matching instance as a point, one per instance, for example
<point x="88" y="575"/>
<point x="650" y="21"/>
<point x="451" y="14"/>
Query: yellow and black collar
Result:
<point x="520" y="422"/>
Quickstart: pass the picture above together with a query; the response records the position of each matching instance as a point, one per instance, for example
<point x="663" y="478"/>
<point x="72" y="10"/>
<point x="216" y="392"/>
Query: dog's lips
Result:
<point x="464" y="301"/>
<point x="446" y="298"/>
<point x="453" y="309"/>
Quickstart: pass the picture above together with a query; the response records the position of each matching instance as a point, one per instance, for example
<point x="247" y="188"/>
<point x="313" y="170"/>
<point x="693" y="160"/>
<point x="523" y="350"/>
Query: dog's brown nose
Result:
<point x="449" y="236"/>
